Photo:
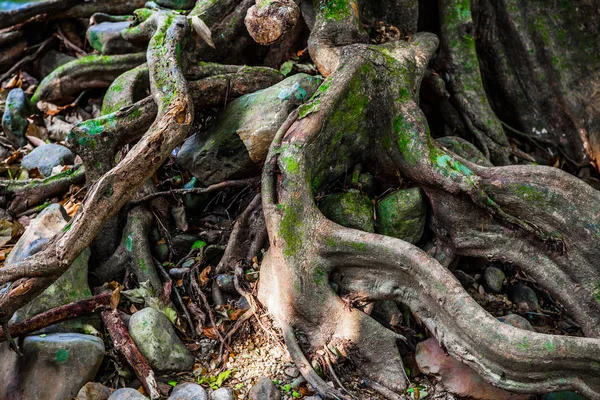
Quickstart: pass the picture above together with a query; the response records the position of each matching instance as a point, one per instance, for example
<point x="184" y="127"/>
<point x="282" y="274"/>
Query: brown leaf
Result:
<point x="203" y="278"/>
<point x="236" y="314"/>
<point x="210" y="333"/>
<point x="115" y="298"/>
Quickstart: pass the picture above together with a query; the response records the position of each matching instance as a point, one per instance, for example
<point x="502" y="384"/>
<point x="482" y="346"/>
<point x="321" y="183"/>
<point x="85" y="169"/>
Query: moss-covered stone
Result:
<point x="14" y="119"/>
<point x="402" y="215"/>
<point x="351" y="209"/>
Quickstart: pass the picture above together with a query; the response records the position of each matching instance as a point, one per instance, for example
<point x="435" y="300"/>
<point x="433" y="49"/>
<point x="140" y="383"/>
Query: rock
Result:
<point x="524" y="297"/>
<point x="14" y="119"/>
<point x="225" y="283"/>
<point x="161" y="251"/>
<point x="46" y="157"/>
<point x="292" y="372"/>
<point x="177" y="273"/>
<point x="62" y="362"/>
<point x="182" y="244"/>
<point x="464" y="149"/>
<point x="457" y="377"/>
<point x="106" y="38"/>
<point x="51" y="60"/>
<point x="188" y="391"/>
<point x="493" y="279"/>
<point x="264" y="389"/>
<point x="154" y="335"/>
<point x="401" y="214"/>
<point x="194" y="203"/>
<point x="94" y="391"/>
<point x="237" y="143"/>
<point x="213" y="254"/>
<point x="127" y="394"/>
<point x="222" y="394"/>
<point x="562" y="396"/>
<point x="71" y="286"/>
<point x="465" y="279"/>
<point x="517" y="321"/>
<point x="351" y="209"/>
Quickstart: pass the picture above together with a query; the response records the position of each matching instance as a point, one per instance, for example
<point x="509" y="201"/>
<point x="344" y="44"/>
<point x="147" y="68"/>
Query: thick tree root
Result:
<point x="13" y="17"/>
<point x="528" y="204"/>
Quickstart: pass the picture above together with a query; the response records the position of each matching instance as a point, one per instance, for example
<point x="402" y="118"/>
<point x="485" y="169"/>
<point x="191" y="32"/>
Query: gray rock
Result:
<point x="493" y="279"/>
<point x="14" y="119"/>
<point x="517" y="321"/>
<point x="94" y="391"/>
<point x="46" y="157"/>
<point x="154" y="335"/>
<point x="239" y="140"/>
<point x="351" y="209"/>
<point x="127" y="394"/>
<point x="401" y="214"/>
<point x="292" y="372"/>
<point x="51" y="60"/>
<point x="264" y="389"/>
<point x="71" y="286"/>
<point x="53" y="367"/>
<point x="182" y="244"/>
<point x="222" y="394"/>
<point x="188" y="391"/>
<point x="524" y="297"/>
<point x="106" y="38"/>
<point x="225" y="283"/>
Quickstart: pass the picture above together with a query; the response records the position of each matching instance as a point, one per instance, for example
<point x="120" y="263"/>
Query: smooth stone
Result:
<point x="465" y="149"/>
<point x="94" y="391"/>
<point x="14" y="119"/>
<point x="264" y="389"/>
<point x="401" y="214"/>
<point x="71" y="286"/>
<point x="237" y="143"/>
<point x="524" y="297"/>
<point x="161" y="251"/>
<point x="493" y="279"/>
<point x="188" y="391"/>
<point x="351" y="209"/>
<point x="226" y="284"/>
<point x="292" y="372"/>
<point x="194" y="203"/>
<point x="177" y="273"/>
<point x="182" y="244"/>
<point x="51" y="60"/>
<point x="154" y="335"/>
<point x="517" y="321"/>
<point x="127" y="394"/>
<point x="222" y="394"/>
<point x="46" y="157"/>
<point x="62" y="362"/>
<point x="457" y="377"/>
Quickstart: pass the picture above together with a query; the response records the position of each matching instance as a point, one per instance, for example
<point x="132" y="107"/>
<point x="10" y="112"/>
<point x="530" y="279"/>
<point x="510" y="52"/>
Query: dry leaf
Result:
<point x="210" y="333"/>
<point x="203" y="278"/>
<point x="202" y="30"/>
<point x="115" y="298"/>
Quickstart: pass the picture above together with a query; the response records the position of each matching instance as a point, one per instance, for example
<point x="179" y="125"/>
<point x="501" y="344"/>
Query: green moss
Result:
<point x="596" y="291"/>
<point x="291" y="229"/>
<point x="309" y="108"/>
<point x="335" y="9"/>
<point x="291" y="164"/>
<point x="319" y="276"/>
<point x="359" y="246"/>
<point x="524" y="345"/>
<point x="548" y="345"/>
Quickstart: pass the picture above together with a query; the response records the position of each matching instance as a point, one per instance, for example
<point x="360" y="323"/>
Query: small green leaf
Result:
<point x="286" y="68"/>
<point x="296" y="394"/>
<point x="43" y="335"/>
<point x="172" y="383"/>
<point x="239" y="386"/>
<point x="198" y="244"/>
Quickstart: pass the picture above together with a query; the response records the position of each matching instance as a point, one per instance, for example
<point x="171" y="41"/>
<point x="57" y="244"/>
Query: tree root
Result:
<point x="58" y="314"/>
<point x="13" y="17"/>
<point x="528" y="205"/>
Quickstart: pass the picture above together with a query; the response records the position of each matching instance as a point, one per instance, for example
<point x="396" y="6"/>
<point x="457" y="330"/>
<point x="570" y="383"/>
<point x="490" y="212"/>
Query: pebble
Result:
<point x="46" y="157"/>
<point x="493" y="279"/>
<point x="127" y="394"/>
<point x="264" y="389"/>
<point x="188" y="391"/>
<point x="222" y="394"/>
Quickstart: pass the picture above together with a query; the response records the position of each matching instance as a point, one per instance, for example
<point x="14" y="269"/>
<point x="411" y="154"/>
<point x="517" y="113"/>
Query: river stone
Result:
<point x="351" y="209"/>
<point x="222" y="394"/>
<point x="524" y="297"/>
<point x="264" y="389"/>
<point x="14" y="119"/>
<point x="493" y="279"/>
<point x="106" y="38"/>
<point x="71" y="286"/>
<point x="401" y="214"/>
<point x="464" y="149"/>
<point x="51" y="60"/>
<point x="127" y="394"/>
<point x="94" y="391"/>
<point x="237" y="143"/>
<point x="456" y="377"/>
<point x="53" y="367"/>
<point x="517" y="321"/>
<point x="154" y="335"/>
<point x="188" y="391"/>
<point x="46" y="157"/>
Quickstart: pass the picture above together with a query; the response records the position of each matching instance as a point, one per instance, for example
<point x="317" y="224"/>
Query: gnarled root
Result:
<point x="325" y="138"/>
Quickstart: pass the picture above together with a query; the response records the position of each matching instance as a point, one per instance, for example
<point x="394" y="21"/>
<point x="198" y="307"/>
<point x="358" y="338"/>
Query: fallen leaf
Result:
<point x="115" y="298"/>
<point x="202" y="30"/>
<point x="203" y="278"/>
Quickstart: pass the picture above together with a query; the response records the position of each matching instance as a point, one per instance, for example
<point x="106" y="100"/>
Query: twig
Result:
<point x="58" y="314"/>
<point x="70" y="44"/>
<point x="175" y="293"/>
<point x="126" y="346"/>
<point x="211" y="188"/>
<point x="334" y="375"/>
<point x="28" y="58"/>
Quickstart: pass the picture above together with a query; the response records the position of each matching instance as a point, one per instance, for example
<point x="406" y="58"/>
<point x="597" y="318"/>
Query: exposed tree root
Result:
<point x="13" y="17"/>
